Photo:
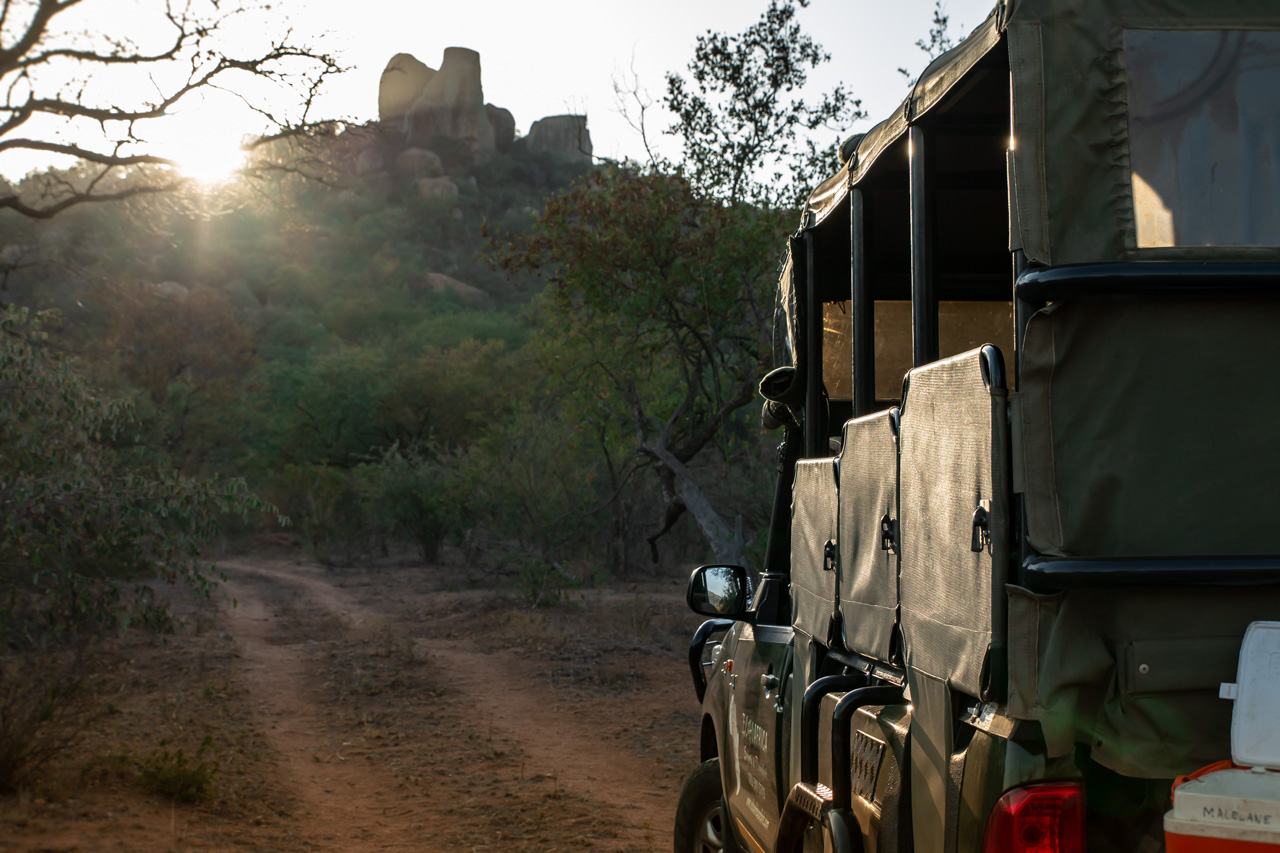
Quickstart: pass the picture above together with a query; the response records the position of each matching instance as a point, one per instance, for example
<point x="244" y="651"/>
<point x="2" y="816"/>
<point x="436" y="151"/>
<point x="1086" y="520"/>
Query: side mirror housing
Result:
<point x="719" y="591"/>
<point x="783" y="393"/>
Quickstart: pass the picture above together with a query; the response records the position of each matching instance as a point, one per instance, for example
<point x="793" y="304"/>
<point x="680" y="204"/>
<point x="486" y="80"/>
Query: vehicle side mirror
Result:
<point x="718" y="591"/>
<point x="783" y="392"/>
<point x="783" y="385"/>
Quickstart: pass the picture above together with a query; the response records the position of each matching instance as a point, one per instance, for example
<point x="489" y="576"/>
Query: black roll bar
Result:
<point x="864" y="323"/>
<point x="924" y="293"/>
<point x="842" y="736"/>
<point x="815" y="416"/>
<point x="810" y="707"/>
<point x="1052" y="574"/>
<point x="1041" y="284"/>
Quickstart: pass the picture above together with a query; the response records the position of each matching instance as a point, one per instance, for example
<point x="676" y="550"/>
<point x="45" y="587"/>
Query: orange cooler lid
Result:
<point x="1236" y="804"/>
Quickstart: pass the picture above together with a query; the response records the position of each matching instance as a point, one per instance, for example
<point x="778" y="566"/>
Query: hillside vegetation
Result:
<point x="546" y="373"/>
<point x="360" y="357"/>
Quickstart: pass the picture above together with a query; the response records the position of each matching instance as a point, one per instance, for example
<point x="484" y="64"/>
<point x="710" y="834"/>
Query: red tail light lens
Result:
<point x="1037" y="819"/>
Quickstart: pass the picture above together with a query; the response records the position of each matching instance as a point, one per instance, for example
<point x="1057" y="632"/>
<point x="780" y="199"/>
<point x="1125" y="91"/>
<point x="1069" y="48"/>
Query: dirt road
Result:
<point x="379" y="710"/>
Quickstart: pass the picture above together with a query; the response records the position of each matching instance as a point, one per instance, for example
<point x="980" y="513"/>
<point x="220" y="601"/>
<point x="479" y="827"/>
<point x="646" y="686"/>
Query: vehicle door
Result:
<point x="759" y="722"/>
<point x="763" y="715"/>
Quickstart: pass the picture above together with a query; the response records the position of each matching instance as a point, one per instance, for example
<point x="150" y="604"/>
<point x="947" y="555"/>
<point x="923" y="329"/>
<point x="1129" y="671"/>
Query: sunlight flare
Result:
<point x="210" y="160"/>
<point x="205" y="143"/>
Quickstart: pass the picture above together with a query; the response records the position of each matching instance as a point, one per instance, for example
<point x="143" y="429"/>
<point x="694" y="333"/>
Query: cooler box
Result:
<point x="1234" y="807"/>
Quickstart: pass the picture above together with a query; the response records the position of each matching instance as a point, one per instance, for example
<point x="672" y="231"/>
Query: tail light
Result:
<point x="1037" y="819"/>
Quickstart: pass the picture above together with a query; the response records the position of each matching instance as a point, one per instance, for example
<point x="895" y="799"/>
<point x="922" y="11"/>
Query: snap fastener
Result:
<point x="1143" y="669"/>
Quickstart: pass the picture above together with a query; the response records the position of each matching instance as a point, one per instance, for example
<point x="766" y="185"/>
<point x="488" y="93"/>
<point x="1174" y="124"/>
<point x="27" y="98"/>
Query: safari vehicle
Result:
<point x="1028" y="381"/>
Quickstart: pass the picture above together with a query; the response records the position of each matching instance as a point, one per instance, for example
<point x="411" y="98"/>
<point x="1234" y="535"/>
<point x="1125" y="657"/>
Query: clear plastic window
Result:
<point x="1204" y="136"/>
<point x="893" y="347"/>
<point x="837" y="350"/>
<point x="784" y="317"/>
<point x="962" y="326"/>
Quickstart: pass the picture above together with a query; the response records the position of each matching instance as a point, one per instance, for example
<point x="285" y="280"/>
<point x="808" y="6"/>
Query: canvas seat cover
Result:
<point x="868" y="572"/>
<point x="954" y="445"/>
<point x="813" y="524"/>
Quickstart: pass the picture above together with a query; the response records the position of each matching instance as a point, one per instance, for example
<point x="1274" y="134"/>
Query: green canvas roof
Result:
<point x="1142" y="129"/>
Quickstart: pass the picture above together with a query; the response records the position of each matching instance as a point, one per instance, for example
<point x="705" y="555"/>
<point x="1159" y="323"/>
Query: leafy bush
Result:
<point x="325" y="502"/>
<point x="418" y="491"/>
<point x="539" y="582"/>
<point x="165" y="772"/>
<point x="80" y="507"/>
<point x="538" y="490"/>
<point x="184" y="778"/>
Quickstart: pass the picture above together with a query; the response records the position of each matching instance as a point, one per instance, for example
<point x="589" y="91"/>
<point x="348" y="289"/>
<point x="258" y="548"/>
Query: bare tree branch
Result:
<point x="15" y="203"/>
<point x="84" y="153"/>
<point x="34" y="74"/>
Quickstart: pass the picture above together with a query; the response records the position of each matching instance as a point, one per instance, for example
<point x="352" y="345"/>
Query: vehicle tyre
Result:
<point x="702" y="822"/>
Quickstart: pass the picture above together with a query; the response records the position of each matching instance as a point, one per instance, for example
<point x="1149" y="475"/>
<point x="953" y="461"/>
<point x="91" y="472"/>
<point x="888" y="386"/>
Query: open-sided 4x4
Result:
<point x="1027" y="363"/>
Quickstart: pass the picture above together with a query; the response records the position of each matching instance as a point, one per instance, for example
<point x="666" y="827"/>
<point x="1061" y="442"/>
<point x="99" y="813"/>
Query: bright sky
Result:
<point x="547" y="58"/>
<point x="537" y="59"/>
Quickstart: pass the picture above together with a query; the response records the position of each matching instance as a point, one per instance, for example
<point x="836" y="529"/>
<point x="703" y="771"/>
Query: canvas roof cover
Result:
<point x="1143" y="129"/>
<point x="938" y="79"/>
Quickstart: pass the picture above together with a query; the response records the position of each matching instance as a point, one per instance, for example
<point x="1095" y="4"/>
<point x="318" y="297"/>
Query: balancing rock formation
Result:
<point x="504" y="127"/>
<point x="402" y="81"/>
<point x="423" y="104"/>
<point x="565" y="135"/>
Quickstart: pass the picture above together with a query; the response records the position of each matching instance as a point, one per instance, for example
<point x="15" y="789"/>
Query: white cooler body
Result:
<point x="1232" y="805"/>
<point x="1238" y="809"/>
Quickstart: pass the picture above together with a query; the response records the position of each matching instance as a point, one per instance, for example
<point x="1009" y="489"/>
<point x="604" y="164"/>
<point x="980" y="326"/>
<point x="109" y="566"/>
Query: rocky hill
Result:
<point x="420" y="106"/>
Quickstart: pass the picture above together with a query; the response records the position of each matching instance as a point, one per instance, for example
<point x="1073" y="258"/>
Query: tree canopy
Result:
<point x="659" y="277"/>
<point x="312" y="342"/>
<point x="740" y="114"/>
<point x="656" y="314"/>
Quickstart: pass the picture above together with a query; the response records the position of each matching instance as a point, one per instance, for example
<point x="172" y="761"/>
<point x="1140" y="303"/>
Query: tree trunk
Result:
<point x="726" y="542"/>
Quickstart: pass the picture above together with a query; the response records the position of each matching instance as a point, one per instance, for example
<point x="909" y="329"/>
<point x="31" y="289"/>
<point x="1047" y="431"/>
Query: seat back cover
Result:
<point x="953" y="536"/>
<point x="813" y="526"/>
<point x="868" y="499"/>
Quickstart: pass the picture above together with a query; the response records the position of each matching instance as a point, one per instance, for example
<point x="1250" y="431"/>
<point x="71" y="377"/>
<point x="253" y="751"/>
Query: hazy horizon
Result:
<point x="535" y="77"/>
<point x="537" y="64"/>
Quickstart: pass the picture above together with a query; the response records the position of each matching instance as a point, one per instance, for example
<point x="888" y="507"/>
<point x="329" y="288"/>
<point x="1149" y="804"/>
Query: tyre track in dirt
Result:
<point x="341" y="803"/>
<point x="573" y="741"/>
<point x="576" y="744"/>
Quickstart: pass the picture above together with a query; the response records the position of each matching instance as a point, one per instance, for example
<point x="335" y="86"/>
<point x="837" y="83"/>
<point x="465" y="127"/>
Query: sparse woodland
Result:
<point x="192" y="373"/>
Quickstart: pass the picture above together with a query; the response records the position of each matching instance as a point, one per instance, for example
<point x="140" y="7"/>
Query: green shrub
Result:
<point x="165" y="772"/>
<point x="417" y="491"/>
<point x="82" y="507"/>
<point x="539" y="582"/>
<point x="538" y="489"/>
<point x="325" y="503"/>
<point x="174" y="774"/>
